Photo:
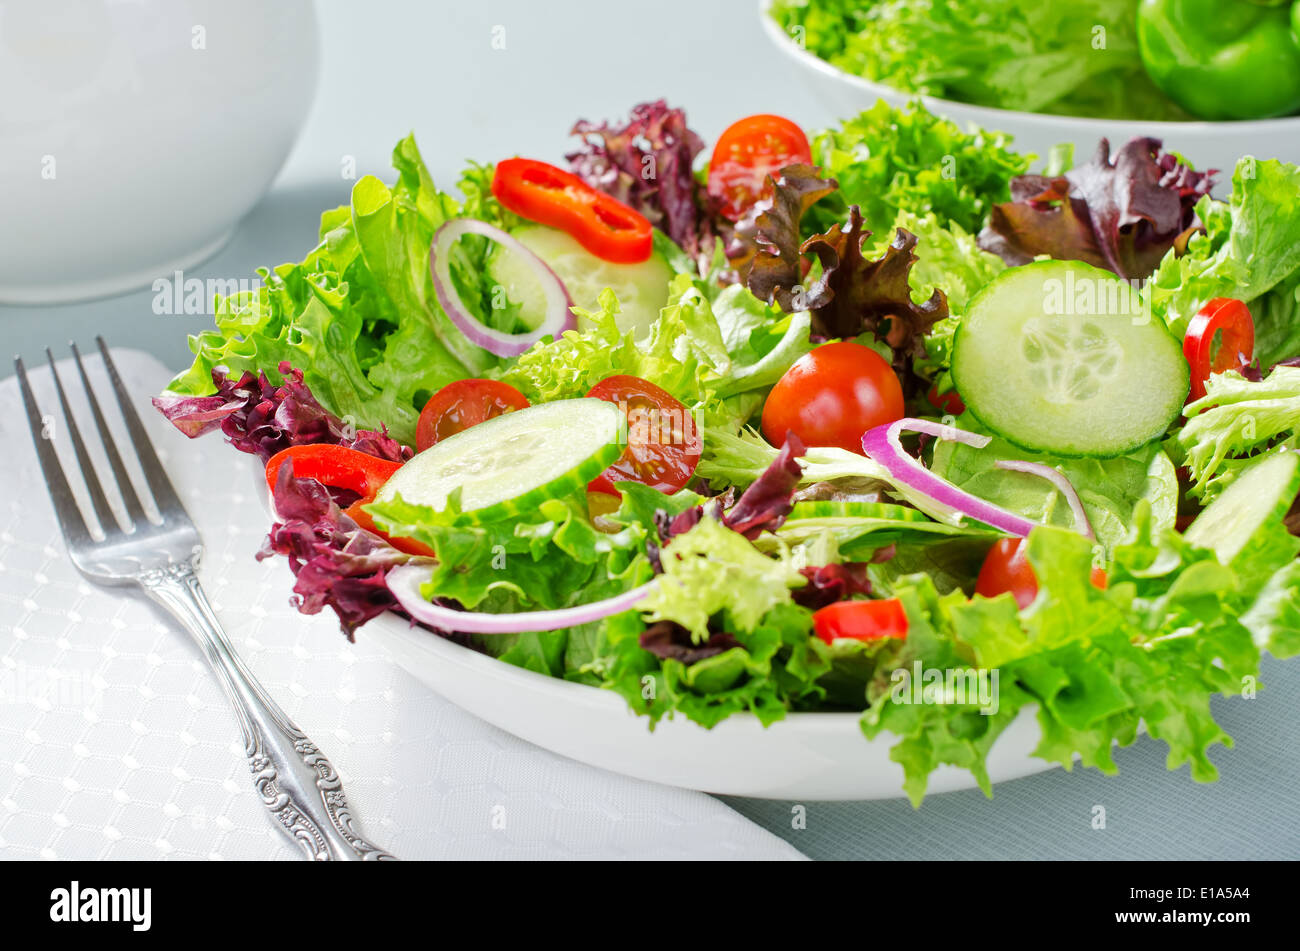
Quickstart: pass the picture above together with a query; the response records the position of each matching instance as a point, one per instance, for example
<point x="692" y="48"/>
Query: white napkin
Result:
<point x="115" y="742"/>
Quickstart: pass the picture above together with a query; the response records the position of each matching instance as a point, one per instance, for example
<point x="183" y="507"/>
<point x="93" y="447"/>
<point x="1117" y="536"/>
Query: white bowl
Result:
<point x="134" y="134"/>
<point x="1206" y="145"/>
<point x="806" y="756"/>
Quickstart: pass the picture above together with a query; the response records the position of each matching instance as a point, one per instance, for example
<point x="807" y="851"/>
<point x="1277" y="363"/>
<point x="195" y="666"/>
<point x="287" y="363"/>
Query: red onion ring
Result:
<point x="1062" y="484"/>
<point x="405" y="581"/>
<point x="882" y="445"/>
<point x="558" y="316"/>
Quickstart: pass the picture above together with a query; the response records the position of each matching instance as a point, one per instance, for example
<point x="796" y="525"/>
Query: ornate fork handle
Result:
<point x="296" y="781"/>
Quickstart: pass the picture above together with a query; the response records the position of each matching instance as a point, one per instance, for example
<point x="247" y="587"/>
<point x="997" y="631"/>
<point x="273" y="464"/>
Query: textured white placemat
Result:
<point x="115" y="742"/>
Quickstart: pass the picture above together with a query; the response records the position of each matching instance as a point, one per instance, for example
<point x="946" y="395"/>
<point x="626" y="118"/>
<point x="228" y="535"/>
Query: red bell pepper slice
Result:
<point x="551" y="196"/>
<point x="1236" y="345"/>
<point x="343" y="468"/>
<point x="861" y="620"/>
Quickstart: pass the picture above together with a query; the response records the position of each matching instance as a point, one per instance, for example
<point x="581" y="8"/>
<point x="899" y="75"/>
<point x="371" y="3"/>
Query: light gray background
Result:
<point x="390" y="67"/>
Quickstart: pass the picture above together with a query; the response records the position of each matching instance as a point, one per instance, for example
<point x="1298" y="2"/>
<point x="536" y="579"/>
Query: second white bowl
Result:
<point x="1206" y="145"/>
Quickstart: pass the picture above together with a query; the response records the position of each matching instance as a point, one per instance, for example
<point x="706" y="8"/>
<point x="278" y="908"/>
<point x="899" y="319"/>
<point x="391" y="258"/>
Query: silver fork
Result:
<point x="295" y="780"/>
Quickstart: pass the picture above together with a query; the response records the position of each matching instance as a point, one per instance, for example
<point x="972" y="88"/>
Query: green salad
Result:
<point x="1107" y="59"/>
<point x="806" y="426"/>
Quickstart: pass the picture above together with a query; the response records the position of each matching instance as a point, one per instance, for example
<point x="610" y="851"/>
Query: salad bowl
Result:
<point x="1215" y="145"/>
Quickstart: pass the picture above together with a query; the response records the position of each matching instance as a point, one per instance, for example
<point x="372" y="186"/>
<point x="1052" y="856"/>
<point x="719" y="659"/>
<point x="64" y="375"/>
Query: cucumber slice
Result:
<point x="642" y="288"/>
<point x="1260" y="496"/>
<point x="1062" y="357"/>
<point x="509" y="464"/>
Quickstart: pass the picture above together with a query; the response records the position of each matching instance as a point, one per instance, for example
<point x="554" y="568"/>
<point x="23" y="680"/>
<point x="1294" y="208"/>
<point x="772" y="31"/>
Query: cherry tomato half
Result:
<point x="663" y="444"/>
<point x="1006" y="568"/>
<point x="1227" y="322"/>
<point x="749" y="151"/>
<point x="460" y="405"/>
<point x="830" y="397"/>
<point x="552" y="196"/>
<point x="861" y="620"/>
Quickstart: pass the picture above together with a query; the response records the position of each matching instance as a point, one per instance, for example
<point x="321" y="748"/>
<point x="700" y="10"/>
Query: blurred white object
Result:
<point x="134" y="134"/>
<point x="1205" y="144"/>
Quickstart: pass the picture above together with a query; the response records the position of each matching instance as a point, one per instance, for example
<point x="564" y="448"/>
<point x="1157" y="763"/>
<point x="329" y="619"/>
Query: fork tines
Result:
<point x="69" y="514"/>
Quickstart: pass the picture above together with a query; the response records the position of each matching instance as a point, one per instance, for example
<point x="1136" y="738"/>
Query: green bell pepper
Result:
<point x="1224" y="59"/>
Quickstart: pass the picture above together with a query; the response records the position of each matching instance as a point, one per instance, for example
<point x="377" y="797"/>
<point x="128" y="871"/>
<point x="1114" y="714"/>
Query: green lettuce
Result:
<point x="1152" y="648"/>
<point x="948" y="258"/>
<point x="1235" y="418"/>
<point x="717" y="356"/>
<point x="1109" y="489"/>
<point x="711" y="569"/>
<point x="358" y="315"/>
<point x="890" y="159"/>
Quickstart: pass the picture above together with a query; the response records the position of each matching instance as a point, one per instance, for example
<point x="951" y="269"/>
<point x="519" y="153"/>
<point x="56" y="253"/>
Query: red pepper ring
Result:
<point x="335" y="466"/>
<point x="551" y="196"/>
<point x="1229" y="320"/>
<point x="342" y="468"/>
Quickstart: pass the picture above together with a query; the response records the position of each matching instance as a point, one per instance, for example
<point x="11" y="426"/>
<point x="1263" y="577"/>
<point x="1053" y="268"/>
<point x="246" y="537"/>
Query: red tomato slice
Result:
<point x="830" y="397"/>
<point x="1006" y="568"/>
<point x="663" y="444"/>
<point x="460" y="405"/>
<point x="1227" y="322"/>
<point x="551" y="196"/>
<point x="861" y="620"/>
<point x="747" y="153"/>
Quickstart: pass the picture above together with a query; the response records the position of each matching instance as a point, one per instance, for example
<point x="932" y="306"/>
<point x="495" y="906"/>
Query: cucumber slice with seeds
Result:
<point x="510" y="464"/>
<point x="1062" y="357"/>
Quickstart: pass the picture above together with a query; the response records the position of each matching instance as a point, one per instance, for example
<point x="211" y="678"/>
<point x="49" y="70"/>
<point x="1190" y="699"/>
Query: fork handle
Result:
<point x="295" y="780"/>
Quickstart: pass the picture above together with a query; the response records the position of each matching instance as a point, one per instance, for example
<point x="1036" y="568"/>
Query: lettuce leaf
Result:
<point x="711" y="569"/>
<point x="647" y="163"/>
<point x="556" y="558"/>
<point x="1237" y="417"/>
<point x="1110" y="489"/>
<point x="262" y="419"/>
<point x="889" y="159"/>
<point x="357" y="316"/>
<point x="1152" y="648"/>
<point x="1121" y="212"/>
<point x="716" y="357"/>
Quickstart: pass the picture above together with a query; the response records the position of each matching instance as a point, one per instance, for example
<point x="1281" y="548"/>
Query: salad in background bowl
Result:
<point x="1053" y="73"/>
<point x="812" y="445"/>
